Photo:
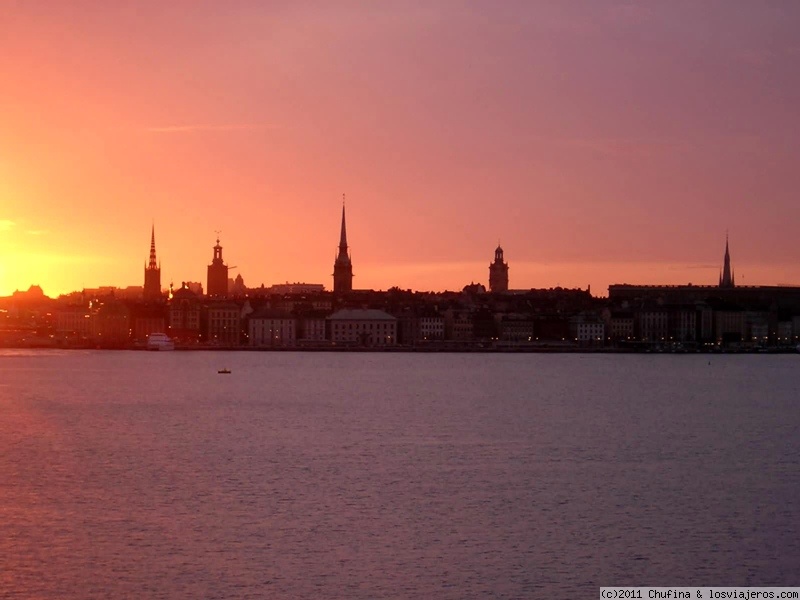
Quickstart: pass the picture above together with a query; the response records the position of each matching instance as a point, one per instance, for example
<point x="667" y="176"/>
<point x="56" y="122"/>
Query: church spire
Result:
<point x="343" y="266"/>
<point x="726" y="280"/>
<point x="153" y="264"/>
<point x="343" y="236"/>
<point x="152" y="271"/>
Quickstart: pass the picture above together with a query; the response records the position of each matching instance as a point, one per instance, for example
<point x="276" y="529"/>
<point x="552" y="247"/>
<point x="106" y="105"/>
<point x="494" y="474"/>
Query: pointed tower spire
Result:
<point x="343" y="236"/>
<point x="343" y="266"/>
<point x="726" y="281"/>
<point x="152" y="271"/>
<point x="153" y="263"/>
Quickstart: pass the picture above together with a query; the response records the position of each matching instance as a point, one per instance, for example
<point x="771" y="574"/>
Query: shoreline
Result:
<point x="445" y="349"/>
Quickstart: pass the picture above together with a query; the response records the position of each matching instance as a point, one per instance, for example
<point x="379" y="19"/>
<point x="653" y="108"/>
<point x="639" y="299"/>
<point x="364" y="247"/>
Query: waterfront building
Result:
<point x="343" y="265"/>
<point x="146" y="319"/>
<point x="184" y="315"/>
<point x="784" y="333"/>
<point x="683" y="324"/>
<point x="653" y="324"/>
<point x="268" y="328"/>
<point x="588" y="327"/>
<point x="729" y="326"/>
<point x="431" y="328"/>
<point x="756" y="324"/>
<point x="217" y="280"/>
<point x="498" y="272"/>
<point x="224" y="324"/>
<point x="311" y="326"/>
<point x="515" y="327"/>
<point x="590" y="331"/>
<point x="620" y="326"/>
<point x="363" y="326"/>
<point x="458" y="325"/>
<point x="552" y="327"/>
<point x="111" y="324"/>
<point x="73" y="321"/>
<point x="152" y="272"/>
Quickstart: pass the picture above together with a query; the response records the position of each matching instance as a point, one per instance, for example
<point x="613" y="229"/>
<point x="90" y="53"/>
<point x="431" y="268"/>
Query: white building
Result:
<point x="362" y="326"/>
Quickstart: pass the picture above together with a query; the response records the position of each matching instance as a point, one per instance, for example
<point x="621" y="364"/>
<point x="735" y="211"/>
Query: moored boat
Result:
<point x="160" y="341"/>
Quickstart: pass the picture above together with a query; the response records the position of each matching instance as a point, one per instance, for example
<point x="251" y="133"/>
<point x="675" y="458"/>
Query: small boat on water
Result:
<point x="224" y="371"/>
<point x="160" y="341"/>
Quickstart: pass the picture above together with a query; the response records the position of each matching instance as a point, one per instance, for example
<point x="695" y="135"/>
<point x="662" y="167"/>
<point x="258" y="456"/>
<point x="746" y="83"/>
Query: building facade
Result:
<point x="224" y="324"/>
<point x="184" y="316"/>
<point x="362" y="327"/>
<point x="270" y="329"/>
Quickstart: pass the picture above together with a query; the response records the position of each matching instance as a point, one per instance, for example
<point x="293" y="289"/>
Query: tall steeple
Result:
<point x="152" y="264"/>
<point x="343" y="266"/>
<point x="343" y="235"/>
<point x="726" y="280"/>
<point x="152" y="271"/>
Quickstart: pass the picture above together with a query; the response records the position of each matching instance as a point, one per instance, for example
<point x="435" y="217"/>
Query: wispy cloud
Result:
<point x="37" y="231"/>
<point x="208" y="127"/>
<point x="701" y="267"/>
<point x="5" y="224"/>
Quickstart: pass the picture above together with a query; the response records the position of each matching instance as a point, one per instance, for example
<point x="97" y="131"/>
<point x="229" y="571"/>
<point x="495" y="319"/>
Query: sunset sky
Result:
<point x="599" y="141"/>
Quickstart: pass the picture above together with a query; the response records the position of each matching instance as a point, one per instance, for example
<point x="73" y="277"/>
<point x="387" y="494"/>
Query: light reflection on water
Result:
<point x="318" y="475"/>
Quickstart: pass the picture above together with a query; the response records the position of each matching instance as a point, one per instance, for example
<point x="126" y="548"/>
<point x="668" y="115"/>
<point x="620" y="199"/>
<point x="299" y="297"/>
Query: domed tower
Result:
<point x="152" y="272"/>
<point x="217" y="282"/>
<point x="498" y="272"/>
<point x="343" y="266"/>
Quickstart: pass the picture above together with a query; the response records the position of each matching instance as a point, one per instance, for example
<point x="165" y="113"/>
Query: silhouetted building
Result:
<point x="342" y="266"/>
<point x="217" y="281"/>
<point x="184" y="315"/>
<point x="362" y="326"/>
<point x="726" y="278"/>
<point x="296" y="288"/>
<point x="152" y="272"/>
<point x="498" y="272"/>
<point x="224" y="324"/>
<point x="236" y="287"/>
<point x="73" y="321"/>
<point x="147" y="319"/>
<point x="111" y="324"/>
<point x="272" y="328"/>
<point x="195" y="286"/>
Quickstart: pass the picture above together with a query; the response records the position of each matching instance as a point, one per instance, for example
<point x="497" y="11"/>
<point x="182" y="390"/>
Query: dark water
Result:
<point x="144" y="475"/>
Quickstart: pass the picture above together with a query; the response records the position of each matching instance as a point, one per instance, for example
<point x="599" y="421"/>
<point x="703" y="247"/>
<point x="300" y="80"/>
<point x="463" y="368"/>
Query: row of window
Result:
<point x="359" y="326"/>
